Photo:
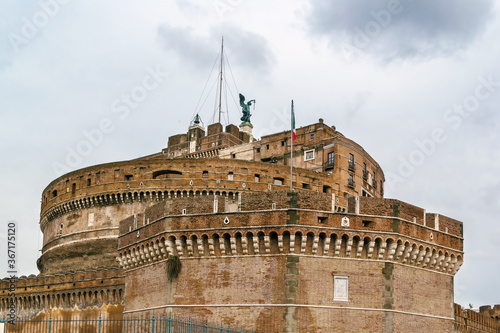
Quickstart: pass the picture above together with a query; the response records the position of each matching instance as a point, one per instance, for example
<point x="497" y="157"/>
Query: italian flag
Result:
<point x="294" y="133"/>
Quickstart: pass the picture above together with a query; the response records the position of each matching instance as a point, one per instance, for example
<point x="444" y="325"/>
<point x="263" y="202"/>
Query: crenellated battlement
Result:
<point x="484" y="321"/>
<point x="76" y="290"/>
<point x="285" y="228"/>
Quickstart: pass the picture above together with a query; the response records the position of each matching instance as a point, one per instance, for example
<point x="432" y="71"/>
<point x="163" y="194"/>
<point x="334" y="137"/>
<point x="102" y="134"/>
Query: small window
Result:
<point x="257" y="178"/>
<point x="282" y="143"/>
<point x="54" y="193"/>
<point x="351" y="162"/>
<point x="312" y="136"/>
<point x="88" y="182"/>
<point x="331" y="158"/>
<point x="205" y="174"/>
<point x="278" y="181"/>
<point x="267" y="147"/>
<point x="128" y="177"/>
<point x="258" y="150"/>
<point x="340" y="288"/>
<point x="367" y="223"/>
<point x="230" y="176"/>
<point x="351" y="181"/>
<point x="322" y="219"/>
<point x="309" y="155"/>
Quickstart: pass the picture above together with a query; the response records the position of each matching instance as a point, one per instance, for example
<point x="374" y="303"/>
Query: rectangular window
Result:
<point x="88" y="182"/>
<point x="309" y="155"/>
<point x="230" y="176"/>
<point x="351" y="181"/>
<point x="129" y="177"/>
<point x="278" y="181"/>
<point x="331" y="158"/>
<point x="351" y="162"/>
<point x="282" y="143"/>
<point x="312" y="136"/>
<point x="257" y="178"/>
<point x="267" y="147"/>
<point x="340" y="288"/>
<point x="258" y="150"/>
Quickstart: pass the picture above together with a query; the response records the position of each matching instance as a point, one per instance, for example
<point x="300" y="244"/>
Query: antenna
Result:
<point x="220" y="88"/>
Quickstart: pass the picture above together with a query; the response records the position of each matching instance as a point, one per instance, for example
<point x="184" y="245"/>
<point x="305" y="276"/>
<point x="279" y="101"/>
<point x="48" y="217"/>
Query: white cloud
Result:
<point x="394" y="29"/>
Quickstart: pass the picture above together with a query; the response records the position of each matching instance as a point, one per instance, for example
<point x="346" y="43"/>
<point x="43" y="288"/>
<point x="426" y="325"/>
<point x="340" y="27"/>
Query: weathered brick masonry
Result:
<point x="254" y="268"/>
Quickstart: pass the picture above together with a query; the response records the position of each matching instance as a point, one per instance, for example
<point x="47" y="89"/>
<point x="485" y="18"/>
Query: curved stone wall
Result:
<point x="80" y="221"/>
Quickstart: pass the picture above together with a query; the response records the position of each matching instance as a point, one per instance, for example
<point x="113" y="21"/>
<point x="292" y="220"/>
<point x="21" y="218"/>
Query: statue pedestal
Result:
<point x="246" y="127"/>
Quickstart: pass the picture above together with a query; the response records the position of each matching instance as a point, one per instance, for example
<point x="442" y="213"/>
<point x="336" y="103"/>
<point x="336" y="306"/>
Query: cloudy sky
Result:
<point x="416" y="83"/>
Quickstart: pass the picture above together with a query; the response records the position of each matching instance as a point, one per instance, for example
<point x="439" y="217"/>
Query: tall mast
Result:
<point x="220" y="87"/>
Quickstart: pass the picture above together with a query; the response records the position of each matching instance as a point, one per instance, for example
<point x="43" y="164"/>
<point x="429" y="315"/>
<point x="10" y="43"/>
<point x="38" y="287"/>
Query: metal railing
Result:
<point x="160" y="324"/>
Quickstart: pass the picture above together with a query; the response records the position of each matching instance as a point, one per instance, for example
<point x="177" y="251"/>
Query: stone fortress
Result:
<point x="331" y="255"/>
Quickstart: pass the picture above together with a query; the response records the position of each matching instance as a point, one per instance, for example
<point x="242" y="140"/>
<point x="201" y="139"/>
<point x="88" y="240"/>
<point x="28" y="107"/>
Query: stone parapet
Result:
<point x="81" y="290"/>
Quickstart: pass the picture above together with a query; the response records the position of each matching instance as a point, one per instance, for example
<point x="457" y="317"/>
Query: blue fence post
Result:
<point x="189" y="325"/>
<point x="206" y="326"/>
<point x="153" y="327"/>
<point x="50" y="322"/>
<point x="99" y="323"/>
<point x="169" y="322"/>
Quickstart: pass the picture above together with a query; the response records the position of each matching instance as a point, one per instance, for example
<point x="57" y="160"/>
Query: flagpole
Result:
<point x="292" y="120"/>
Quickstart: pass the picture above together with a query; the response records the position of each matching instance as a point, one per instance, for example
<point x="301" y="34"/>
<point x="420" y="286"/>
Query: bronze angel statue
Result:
<point x="245" y="109"/>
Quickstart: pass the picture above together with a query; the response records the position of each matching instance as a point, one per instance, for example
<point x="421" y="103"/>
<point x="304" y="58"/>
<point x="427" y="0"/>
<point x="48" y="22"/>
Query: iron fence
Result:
<point x="107" y="325"/>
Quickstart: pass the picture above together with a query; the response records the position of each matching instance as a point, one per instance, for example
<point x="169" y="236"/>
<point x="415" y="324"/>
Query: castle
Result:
<point x="317" y="250"/>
